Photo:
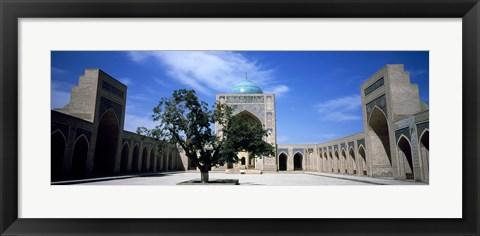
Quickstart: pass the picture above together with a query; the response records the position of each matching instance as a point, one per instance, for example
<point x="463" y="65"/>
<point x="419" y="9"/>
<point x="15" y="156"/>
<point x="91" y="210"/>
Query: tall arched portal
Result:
<point x="354" y="163"/>
<point x="346" y="165"/>
<point x="145" y="159"/>
<point x="124" y="159"/>
<point x="242" y="161"/>
<point x="363" y="160"/>
<point x="106" y="145"/>
<point x="58" y="151"/>
<point x="424" y="152"/>
<point x="282" y="162"/>
<point x="79" y="159"/>
<point x="152" y="160"/>
<point x="135" y="155"/>
<point x="405" y="153"/>
<point x="297" y="161"/>
<point x="380" y="142"/>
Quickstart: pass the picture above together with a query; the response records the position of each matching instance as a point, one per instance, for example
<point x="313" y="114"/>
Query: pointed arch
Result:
<point x="282" y="161"/>
<point x="298" y="161"/>
<point x="79" y="158"/>
<point x="363" y="159"/>
<point x="152" y="159"/>
<point x="345" y="167"/>
<point x="124" y="157"/>
<point x="379" y="136"/>
<point x="145" y="159"/>
<point x="135" y="159"/>
<point x="106" y="145"/>
<point x="57" y="146"/>
<point x="424" y="152"/>
<point x="351" y="153"/>
<point x="404" y="150"/>
<point x="249" y="116"/>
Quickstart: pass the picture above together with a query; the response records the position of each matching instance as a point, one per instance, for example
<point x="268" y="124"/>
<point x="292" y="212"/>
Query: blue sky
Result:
<point x="318" y="92"/>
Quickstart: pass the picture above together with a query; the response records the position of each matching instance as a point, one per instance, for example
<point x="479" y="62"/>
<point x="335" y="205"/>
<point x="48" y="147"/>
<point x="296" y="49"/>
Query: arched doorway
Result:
<point x="144" y="160"/>
<point x="337" y="161"/>
<point x="106" y="145"/>
<point x="354" y="163"/>
<point x="297" y="161"/>
<point x="152" y="160"/>
<point x="79" y="159"/>
<point x="405" y="154"/>
<point x="58" y="143"/>
<point x="124" y="158"/>
<point x="363" y="159"/>
<point x="135" y="155"/>
<point x="380" y="140"/>
<point x="326" y="166"/>
<point x="424" y="152"/>
<point x="346" y="165"/>
<point x="282" y="162"/>
<point x="242" y="161"/>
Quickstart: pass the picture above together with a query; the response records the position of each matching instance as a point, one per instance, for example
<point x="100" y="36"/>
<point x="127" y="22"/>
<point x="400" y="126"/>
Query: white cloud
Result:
<point x="132" y="122"/>
<point x="126" y="81"/>
<point x="279" y="90"/>
<point x="340" y="109"/>
<point x="59" y="71"/>
<point x="282" y="138"/>
<point x="59" y="99"/>
<point x="211" y="71"/>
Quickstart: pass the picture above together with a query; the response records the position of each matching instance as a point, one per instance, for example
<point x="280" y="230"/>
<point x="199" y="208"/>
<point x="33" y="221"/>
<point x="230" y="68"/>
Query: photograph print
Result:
<point x="247" y="118"/>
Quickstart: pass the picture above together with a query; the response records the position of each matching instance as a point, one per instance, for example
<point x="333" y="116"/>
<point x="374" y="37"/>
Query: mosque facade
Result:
<point x="88" y="140"/>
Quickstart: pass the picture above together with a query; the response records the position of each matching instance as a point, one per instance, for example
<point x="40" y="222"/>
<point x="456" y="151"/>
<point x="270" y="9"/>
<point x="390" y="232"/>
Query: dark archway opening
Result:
<point x="345" y="168"/>
<point x="242" y="161"/>
<point x="135" y="155"/>
<point x="124" y="159"/>
<point x="144" y="160"/>
<point x="361" y="151"/>
<point x="354" y="163"/>
<point x="152" y="160"/>
<point x="58" y="152"/>
<point x="405" y="153"/>
<point x="297" y="161"/>
<point x="378" y="134"/>
<point x="79" y="159"/>
<point x="106" y="145"/>
<point x="282" y="162"/>
<point x="424" y="151"/>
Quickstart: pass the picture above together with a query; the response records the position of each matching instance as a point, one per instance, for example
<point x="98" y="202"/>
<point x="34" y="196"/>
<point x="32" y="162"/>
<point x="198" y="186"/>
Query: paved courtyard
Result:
<point x="266" y="179"/>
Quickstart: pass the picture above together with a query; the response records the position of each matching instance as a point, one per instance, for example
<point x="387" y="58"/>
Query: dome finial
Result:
<point x="246" y="75"/>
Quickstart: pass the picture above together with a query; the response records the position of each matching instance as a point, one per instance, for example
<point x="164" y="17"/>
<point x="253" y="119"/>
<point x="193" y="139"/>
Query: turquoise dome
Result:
<point x="246" y="87"/>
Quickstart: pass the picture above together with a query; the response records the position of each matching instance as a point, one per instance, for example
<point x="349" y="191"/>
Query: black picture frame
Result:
<point x="11" y="11"/>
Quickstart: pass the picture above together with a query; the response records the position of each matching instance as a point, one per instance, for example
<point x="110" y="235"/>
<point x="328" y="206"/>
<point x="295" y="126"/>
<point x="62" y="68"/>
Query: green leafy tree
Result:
<point x="186" y="121"/>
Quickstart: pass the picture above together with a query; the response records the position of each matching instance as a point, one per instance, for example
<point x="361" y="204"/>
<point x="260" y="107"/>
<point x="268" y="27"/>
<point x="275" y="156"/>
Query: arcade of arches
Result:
<point x="88" y="140"/>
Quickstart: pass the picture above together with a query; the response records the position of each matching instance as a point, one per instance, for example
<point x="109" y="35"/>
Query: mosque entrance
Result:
<point x="106" y="146"/>
<point x="124" y="159"/>
<point x="79" y="159"/>
<point x="380" y="140"/>
<point x="135" y="155"/>
<point x="282" y="162"/>
<point x="405" y="153"/>
<point x="297" y="161"/>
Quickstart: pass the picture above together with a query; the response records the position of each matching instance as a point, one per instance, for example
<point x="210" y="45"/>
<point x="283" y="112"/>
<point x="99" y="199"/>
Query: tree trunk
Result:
<point x="204" y="175"/>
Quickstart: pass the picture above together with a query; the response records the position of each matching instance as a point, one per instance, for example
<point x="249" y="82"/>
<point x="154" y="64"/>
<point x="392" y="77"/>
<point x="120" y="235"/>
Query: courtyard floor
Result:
<point x="265" y="179"/>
